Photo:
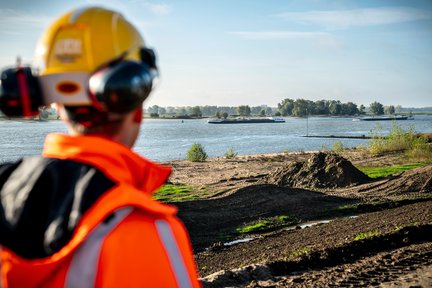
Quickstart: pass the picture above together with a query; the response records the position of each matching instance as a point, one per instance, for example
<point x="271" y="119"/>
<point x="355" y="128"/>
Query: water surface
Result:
<point x="164" y="140"/>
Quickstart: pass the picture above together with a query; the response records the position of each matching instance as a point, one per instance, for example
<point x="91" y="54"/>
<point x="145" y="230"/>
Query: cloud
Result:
<point x="11" y="18"/>
<point x="158" y="9"/>
<point x="342" y="19"/>
<point x="322" y="39"/>
<point x="17" y="23"/>
<point x="268" y="35"/>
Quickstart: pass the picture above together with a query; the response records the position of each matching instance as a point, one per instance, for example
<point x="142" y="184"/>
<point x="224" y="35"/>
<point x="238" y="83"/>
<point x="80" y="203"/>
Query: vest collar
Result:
<point x="117" y="161"/>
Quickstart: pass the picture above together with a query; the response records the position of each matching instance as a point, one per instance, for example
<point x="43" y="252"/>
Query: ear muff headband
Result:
<point x="24" y="93"/>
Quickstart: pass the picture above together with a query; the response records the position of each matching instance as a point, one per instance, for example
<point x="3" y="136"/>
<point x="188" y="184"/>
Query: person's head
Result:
<point x="95" y="65"/>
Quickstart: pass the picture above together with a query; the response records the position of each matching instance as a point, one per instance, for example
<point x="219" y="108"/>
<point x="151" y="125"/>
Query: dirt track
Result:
<point x="394" y="214"/>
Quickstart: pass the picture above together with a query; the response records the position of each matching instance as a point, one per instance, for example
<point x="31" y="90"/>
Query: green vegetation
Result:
<point x="244" y="110"/>
<point x="415" y="147"/>
<point x="378" y="172"/>
<point x="299" y="252"/>
<point x="260" y="225"/>
<point x="366" y="235"/>
<point x="302" y="107"/>
<point x="169" y="192"/>
<point x="348" y="207"/>
<point x="231" y="153"/>
<point x="283" y="218"/>
<point x="376" y="108"/>
<point x="266" y="223"/>
<point x="338" y="146"/>
<point x="196" y="153"/>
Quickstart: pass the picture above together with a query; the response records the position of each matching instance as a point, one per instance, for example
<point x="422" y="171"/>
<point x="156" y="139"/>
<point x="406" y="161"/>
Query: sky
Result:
<point x="256" y="52"/>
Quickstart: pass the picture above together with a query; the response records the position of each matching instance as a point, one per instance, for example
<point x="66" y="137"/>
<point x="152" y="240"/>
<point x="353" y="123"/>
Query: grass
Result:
<point x="231" y="153"/>
<point x="260" y="225"/>
<point x="173" y="193"/>
<point x="366" y="235"/>
<point x="349" y="207"/>
<point x="378" y="172"/>
<point x="266" y="223"/>
<point x="299" y="252"/>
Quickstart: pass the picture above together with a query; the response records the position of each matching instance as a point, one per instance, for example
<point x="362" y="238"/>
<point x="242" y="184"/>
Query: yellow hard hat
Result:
<point x="82" y="40"/>
<point x="79" y="45"/>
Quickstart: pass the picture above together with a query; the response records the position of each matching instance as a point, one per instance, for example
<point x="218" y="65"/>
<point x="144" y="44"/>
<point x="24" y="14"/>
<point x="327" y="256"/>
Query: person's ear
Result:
<point x="138" y="115"/>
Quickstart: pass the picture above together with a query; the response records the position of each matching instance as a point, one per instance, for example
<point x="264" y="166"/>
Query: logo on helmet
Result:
<point x="68" y="49"/>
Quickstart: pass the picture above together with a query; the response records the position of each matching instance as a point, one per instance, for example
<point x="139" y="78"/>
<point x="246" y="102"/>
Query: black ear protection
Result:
<point x="119" y="87"/>
<point x="20" y="93"/>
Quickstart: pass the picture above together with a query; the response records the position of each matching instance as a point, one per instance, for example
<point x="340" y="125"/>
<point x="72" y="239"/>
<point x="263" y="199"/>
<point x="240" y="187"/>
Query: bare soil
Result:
<point x="340" y="228"/>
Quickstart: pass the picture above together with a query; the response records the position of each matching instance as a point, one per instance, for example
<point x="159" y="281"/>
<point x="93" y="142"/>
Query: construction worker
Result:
<point x="82" y="215"/>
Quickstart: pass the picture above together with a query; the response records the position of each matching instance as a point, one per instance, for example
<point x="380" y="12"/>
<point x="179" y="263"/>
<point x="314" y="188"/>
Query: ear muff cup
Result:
<point x="120" y="87"/>
<point x="20" y="92"/>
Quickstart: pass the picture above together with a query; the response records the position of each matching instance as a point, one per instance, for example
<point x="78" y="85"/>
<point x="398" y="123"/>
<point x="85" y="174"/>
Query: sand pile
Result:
<point x="321" y="170"/>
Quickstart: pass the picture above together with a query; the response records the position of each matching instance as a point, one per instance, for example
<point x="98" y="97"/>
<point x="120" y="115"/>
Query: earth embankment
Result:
<point x="393" y="213"/>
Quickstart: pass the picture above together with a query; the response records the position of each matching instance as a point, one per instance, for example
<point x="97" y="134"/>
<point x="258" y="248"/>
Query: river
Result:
<point x="165" y="140"/>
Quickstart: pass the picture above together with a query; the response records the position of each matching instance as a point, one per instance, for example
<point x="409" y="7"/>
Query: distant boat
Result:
<point x="384" y="118"/>
<point x="247" y="120"/>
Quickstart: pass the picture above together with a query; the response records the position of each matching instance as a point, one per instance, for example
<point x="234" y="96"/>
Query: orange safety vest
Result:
<point x="145" y="245"/>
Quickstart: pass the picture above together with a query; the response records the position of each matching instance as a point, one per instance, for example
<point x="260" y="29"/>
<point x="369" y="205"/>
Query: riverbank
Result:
<point x="234" y="199"/>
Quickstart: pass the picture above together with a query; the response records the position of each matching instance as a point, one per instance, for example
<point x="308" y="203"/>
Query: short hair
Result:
<point x="87" y="120"/>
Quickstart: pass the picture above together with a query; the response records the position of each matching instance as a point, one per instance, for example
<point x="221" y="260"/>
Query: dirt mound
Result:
<point x="416" y="180"/>
<point x="321" y="170"/>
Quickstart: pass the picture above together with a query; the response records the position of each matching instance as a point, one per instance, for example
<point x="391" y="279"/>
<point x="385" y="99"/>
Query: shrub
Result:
<point x="196" y="153"/>
<point x="230" y="153"/>
<point x="338" y="146"/>
<point x="399" y="140"/>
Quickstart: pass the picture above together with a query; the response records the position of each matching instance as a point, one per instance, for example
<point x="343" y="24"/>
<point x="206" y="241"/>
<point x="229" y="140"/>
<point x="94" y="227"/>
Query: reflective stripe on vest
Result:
<point x="175" y="257"/>
<point x="84" y="266"/>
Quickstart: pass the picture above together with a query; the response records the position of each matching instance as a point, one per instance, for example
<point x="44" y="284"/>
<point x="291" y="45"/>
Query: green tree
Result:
<point x="389" y="110"/>
<point x="376" y="108"/>
<point x="300" y="108"/>
<point x="256" y="110"/>
<point x="196" y="111"/>
<point x="269" y="111"/>
<point x="349" y="108"/>
<point x="321" y="107"/>
<point x="263" y="112"/>
<point x="244" y="110"/>
<point x="286" y="107"/>
<point x="162" y="111"/>
<point x="398" y="109"/>
<point x="153" y="109"/>
<point x="224" y="115"/>
<point x="196" y="153"/>
<point x="362" y="109"/>
<point x="183" y="111"/>
<point x="335" y="107"/>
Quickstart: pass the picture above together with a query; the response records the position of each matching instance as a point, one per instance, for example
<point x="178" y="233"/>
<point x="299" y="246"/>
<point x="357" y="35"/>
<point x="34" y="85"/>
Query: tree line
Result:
<point x="287" y="107"/>
<point x="302" y="107"/>
<point x="209" y="111"/>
